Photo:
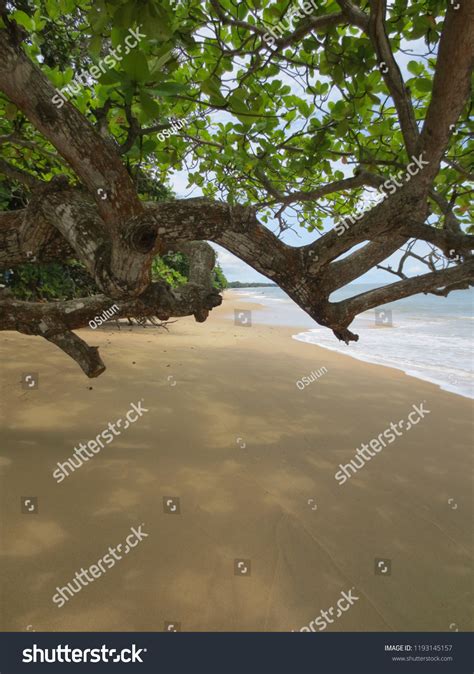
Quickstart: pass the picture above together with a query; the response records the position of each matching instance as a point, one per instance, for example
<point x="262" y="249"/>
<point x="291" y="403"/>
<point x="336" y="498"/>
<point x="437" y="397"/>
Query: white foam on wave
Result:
<point x="399" y="356"/>
<point x="430" y="338"/>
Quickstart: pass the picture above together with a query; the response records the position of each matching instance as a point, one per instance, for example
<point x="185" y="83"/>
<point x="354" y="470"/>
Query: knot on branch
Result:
<point x="142" y="238"/>
<point x="202" y="301"/>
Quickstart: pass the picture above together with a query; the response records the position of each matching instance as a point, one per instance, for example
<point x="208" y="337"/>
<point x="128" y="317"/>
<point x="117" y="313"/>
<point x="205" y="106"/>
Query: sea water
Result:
<point x="426" y="336"/>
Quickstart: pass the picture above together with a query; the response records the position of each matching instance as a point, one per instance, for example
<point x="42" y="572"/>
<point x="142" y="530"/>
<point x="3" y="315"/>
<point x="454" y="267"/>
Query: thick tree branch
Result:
<point x="70" y="132"/>
<point x="461" y="274"/>
<point x="451" y="85"/>
<point x="55" y="321"/>
<point x="392" y="75"/>
<point x="452" y="243"/>
<point x="87" y="357"/>
<point x="354" y="15"/>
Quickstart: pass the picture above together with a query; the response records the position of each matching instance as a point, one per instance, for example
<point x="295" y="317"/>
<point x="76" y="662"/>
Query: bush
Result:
<point x="68" y="280"/>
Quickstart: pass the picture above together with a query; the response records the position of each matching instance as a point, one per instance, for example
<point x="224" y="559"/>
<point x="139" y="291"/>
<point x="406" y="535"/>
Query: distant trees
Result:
<point x="240" y="284"/>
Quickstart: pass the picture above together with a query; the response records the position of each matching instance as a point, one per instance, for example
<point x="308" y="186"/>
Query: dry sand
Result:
<point x="230" y="434"/>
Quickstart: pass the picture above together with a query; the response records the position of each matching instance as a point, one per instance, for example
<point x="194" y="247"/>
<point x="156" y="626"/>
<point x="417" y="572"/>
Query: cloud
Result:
<point x="236" y="270"/>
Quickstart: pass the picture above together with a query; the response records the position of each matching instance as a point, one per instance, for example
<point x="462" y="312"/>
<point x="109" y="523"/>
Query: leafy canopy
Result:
<point x="257" y="120"/>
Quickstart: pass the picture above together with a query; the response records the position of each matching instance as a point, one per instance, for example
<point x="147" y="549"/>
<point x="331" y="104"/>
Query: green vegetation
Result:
<point x="242" y="284"/>
<point x="68" y="280"/>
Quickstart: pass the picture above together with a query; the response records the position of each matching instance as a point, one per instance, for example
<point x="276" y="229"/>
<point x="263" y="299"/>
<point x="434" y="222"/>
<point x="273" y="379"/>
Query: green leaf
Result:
<point x="168" y="88"/>
<point x="238" y="103"/>
<point x="136" y="65"/>
<point x="149" y="106"/>
<point x="67" y="6"/>
<point x="212" y="87"/>
<point x="24" y="20"/>
<point x="111" y="77"/>
<point x="423" y="84"/>
<point x="157" y="22"/>
<point x="160" y="62"/>
<point x="415" y="68"/>
<point x="95" y="45"/>
<point x="419" y="28"/>
<point x="124" y="15"/>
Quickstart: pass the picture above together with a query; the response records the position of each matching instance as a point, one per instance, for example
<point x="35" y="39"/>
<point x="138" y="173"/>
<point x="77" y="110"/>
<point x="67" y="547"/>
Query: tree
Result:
<point x="269" y="114"/>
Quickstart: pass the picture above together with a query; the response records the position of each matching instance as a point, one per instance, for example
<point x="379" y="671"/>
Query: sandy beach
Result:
<point x="252" y="460"/>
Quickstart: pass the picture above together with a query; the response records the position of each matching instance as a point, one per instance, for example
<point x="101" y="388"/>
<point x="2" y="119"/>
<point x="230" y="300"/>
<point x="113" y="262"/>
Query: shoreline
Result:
<point x="407" y="372"/>
<point x="339" y="348"/>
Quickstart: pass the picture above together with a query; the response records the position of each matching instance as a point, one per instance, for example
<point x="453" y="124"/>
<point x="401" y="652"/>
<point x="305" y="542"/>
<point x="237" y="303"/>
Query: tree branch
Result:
<point x="362" y="178"/>
<point x="70" y="132"/>
<point x="20" y="176"/>
<point x="461" y="274"/>
<point x="451" y="86"/>
<point x="392" y="75"/>
<point x="55" y="320"/>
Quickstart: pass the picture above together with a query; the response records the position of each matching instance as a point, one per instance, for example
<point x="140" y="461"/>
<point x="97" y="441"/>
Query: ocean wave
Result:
<point x="401" y="356"/>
